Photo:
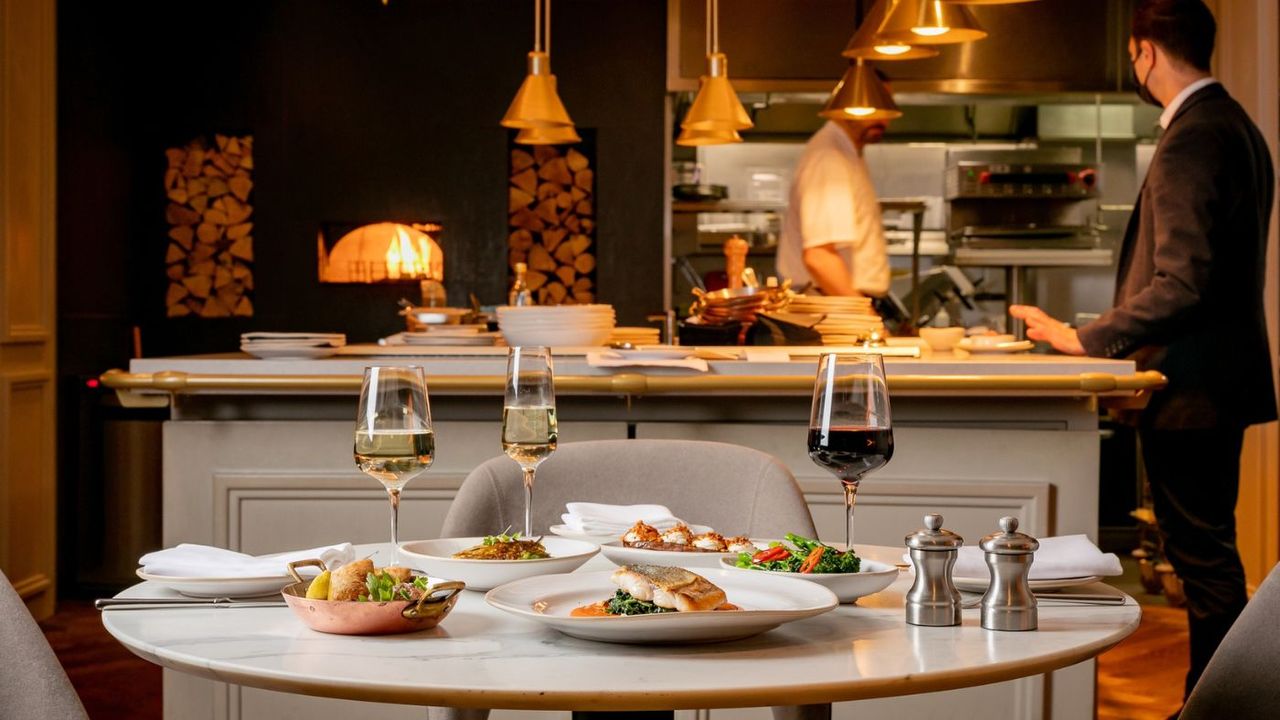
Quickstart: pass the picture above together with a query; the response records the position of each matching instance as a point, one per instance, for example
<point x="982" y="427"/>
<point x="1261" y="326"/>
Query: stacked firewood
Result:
<point x="210" y="254"/>
<point x="551" y="221"/>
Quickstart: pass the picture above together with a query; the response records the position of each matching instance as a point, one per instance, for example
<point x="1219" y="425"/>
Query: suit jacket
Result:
<point x="1189" y="289"/>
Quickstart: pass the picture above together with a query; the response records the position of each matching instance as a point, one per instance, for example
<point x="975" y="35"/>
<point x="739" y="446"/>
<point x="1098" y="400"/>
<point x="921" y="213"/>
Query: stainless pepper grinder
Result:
<point x="933" y="599"/>
<point x="1009" y="603"/>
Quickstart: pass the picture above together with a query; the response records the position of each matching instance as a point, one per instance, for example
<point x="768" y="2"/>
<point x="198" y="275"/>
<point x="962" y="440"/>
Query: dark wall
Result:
<point x="360" y="112"/>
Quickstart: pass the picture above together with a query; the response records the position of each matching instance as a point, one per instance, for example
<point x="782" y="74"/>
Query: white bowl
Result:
<point x="942" y="338"/>
<point x="436" y="558"/>
<point x="848" y="587"/>
<point x="556" y="337"/>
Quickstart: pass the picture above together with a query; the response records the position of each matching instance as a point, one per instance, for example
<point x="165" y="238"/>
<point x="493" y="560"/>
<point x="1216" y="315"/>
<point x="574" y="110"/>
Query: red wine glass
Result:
<point x="850" y="433"/>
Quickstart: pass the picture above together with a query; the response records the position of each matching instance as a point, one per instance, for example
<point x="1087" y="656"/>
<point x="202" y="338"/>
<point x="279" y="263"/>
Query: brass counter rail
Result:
<point x="131" y="385"/>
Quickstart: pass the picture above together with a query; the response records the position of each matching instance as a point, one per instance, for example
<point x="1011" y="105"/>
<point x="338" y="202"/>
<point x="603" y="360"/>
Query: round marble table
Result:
<point x="482" y="657"/>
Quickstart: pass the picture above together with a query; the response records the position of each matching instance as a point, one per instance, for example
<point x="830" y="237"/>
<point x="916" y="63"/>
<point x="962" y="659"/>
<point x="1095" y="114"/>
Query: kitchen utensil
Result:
<point x="353" y="617"/>
<point x="1008" y="603"/>
<point x="933" y="599"/>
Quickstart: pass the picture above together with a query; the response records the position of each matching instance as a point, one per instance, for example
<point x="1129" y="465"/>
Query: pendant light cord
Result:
<point x="537" y="25"/>
<point x="548" y="32"/>
<point x="708" y="28"/>
<point x="715" y="26"/>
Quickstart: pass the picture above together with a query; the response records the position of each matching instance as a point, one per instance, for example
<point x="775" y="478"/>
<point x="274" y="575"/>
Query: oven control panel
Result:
<point x="1039" y="180"/>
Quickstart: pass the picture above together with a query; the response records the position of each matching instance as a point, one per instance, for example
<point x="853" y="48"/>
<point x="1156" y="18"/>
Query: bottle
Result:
<point x="520" y="293"/>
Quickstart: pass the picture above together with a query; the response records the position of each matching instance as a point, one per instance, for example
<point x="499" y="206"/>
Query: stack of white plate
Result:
<point x="556" y="325"/>
<point x="843" y="321"/>
<point x="454" y="335"/>
<point x="292" y="346"/>
<point x="636" y="335"/>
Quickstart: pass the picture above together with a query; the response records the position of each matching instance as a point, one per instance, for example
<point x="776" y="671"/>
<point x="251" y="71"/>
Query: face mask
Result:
<point x="1144" y="93"/>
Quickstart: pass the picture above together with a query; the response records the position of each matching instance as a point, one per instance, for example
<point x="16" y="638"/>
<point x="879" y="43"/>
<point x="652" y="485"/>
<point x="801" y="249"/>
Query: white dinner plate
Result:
<point x="979" y="585"/>
<point x="435" y="340"/>
<point x="1004" y="347"/>
<point x="766" y="603"/>
<point x="848" y="587"/>
<point x="436" y="558"/>
<point x="566" y="532"/>
<point x="620" y="554"/>
<point x="215" y="587"/>
<point x="653" y="353"/>
<point x="449" y="330"/>
<point x="287" y="352"/>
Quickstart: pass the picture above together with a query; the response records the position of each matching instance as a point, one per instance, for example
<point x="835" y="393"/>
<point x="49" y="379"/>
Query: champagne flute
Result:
<point x="529" y="431"/>
<point x="394" y="442"/>
<point x="850" y="433"/>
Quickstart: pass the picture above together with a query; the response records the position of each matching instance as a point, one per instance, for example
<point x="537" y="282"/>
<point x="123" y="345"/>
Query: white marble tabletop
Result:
<point x="482" y="657"/>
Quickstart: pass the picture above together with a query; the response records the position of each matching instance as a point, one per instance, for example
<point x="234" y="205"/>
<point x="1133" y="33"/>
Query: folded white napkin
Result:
<point x="188" y="560"/>
<point x="602" y="519"/>
<point x="610" y="360"/>
<point x="1065" y="556"/>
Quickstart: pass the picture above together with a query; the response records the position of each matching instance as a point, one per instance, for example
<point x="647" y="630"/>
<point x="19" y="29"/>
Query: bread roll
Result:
<point x="347" y="582"/>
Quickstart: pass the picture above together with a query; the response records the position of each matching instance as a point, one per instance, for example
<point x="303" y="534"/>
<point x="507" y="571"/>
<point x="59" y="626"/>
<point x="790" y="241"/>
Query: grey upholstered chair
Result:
<point x="1240" y="680"/>
<point x="34" y="686"/>
<point x="734" y="489"/>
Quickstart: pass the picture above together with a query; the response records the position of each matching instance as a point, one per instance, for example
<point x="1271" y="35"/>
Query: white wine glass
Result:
<point x="394" y="441"/>
<point x="850" y="431"/>
<point x="529" y="431"/>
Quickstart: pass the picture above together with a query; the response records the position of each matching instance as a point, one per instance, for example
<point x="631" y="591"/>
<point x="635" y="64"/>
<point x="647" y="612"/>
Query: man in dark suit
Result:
<point x="1189" y="303"/>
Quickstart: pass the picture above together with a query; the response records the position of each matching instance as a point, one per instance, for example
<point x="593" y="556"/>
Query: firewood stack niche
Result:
<point x="210" y="252"/>
<point x="551" y="223"/>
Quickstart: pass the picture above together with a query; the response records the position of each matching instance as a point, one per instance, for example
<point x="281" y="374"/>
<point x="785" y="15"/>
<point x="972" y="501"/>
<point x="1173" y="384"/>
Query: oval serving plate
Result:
<point x="566" y="532"/>
<point x="766" y="603"/>
<point x="848" y="587"/>
<point x="620" y="554"/>
<point x="436" y="558"/>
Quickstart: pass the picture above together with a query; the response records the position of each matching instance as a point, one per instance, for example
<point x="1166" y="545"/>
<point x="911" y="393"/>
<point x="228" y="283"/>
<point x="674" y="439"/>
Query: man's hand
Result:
<point x="1040" y="326"/>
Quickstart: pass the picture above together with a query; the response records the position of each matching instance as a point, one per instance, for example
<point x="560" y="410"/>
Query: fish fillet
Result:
<point x="669" y="587"/>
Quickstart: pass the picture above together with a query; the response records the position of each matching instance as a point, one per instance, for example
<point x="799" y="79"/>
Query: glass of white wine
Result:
<point x="529" y="431"/>
<point x="394" y="441"/>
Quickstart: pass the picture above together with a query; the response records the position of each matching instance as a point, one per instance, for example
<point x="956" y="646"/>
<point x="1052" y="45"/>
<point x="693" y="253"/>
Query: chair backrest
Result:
<point x="32" y="684"/>
<point x="1239" y="681"/>
<point x="734" y="489"/>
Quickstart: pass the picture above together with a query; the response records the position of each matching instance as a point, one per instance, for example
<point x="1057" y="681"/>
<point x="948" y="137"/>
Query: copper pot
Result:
<point x="350" y="617"/>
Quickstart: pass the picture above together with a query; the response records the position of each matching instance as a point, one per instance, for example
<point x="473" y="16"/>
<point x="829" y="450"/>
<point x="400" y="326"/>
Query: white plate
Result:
<point x="1004" y="347"/>
<point x="565" y="532"/>
<point x="436" y="558"/>
<point x="215" y="587"/>
<point x="848" y="587"/>
<point x="653" y="353"/>
<point x="766" y="603"/>
<point x="434" y="339"/>
<point x="1043" y="585"/>
<point x="620" y="554"/>
<point x="437" y="330"/>
<point x="277" y="352"/>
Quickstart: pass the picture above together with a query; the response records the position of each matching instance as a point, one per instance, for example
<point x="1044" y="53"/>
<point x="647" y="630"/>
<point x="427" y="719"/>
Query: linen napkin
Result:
<point x="605" y="359"/>
<point x="204" y="561"/>
<point x="603" y="519"/>
<point x="1064" y="556"/>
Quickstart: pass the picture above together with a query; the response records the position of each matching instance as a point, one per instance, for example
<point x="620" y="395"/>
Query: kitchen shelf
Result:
<point x="726" y="206"/>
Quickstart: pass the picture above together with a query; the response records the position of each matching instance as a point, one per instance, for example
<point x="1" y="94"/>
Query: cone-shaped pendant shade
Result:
<point x="563" y="135"/>
<point x="536" y="104"/>
<point x="693" y="138"/>
<point x="864" y="44"/>
<point x="929" y="22"/>
<point x="860" y="96"/>
<point x="717" y="106"/>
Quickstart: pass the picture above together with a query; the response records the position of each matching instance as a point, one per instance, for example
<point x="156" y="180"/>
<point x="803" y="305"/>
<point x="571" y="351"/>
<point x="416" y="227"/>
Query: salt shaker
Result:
<point x="933" y="599"/>
<point x="1009" y="603"/>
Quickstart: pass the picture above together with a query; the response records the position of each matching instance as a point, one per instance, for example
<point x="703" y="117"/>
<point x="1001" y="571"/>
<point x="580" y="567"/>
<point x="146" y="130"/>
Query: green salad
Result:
<point x="383" y="587"/>
<point x="803" y="555"/>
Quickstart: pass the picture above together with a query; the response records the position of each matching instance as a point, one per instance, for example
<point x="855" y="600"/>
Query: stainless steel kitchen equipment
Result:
<point x="1021" y="210"/>
<point x="933" y="599"/>
<point x="1009" y="603"/>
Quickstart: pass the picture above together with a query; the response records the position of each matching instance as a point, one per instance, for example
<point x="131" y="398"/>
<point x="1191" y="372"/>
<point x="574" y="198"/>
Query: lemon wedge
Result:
<point x="319" y="588"/>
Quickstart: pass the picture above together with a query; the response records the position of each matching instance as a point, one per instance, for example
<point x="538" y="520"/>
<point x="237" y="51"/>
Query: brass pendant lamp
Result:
<point x="865" y="44"/>
<point x="563" y="135"/>
<point x="929" y="22"/>
<point x="537" y="104"/>
<point x="717" y="114"/>
<point x="860" y="95"/>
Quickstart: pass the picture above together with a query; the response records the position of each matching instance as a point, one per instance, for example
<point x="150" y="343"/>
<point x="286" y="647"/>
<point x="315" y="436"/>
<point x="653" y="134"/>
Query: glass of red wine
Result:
<point x="850" y="433"/>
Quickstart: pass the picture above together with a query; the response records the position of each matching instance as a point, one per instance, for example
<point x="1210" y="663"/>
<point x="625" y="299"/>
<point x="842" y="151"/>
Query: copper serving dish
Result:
<point x="349" y="617"/>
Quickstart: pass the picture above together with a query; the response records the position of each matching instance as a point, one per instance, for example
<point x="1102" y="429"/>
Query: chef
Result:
<point x="832" y="235"/>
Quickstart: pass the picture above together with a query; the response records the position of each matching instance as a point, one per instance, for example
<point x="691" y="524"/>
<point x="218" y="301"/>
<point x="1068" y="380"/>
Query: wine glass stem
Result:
<point x="850" y="497"/>
<point x="528" y="501"/>
<point x="394" y="495"/>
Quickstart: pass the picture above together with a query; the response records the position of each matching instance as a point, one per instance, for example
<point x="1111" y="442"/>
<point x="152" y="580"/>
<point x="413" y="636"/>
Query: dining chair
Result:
<point x="33" y="684"/>
<point x="1239" y="682"/>
<point x="734" y="489"/>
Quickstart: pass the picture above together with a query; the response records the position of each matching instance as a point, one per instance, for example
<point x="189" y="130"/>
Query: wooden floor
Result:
<point x="1140" y="679"/>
